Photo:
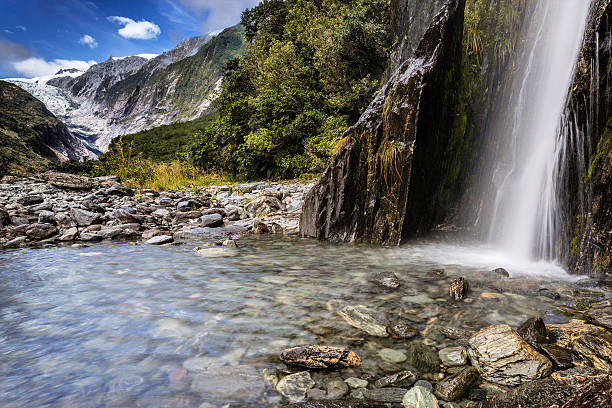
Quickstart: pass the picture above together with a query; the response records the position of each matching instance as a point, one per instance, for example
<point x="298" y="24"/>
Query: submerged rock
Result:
<point x="402" y="379"/>
<point x="230" y="384"/>
<point x="160" y="240"/>
<point x="336" y="388"/>
<point x="422" y="357"/>
<point x="503" y="357"/>
<point x="364" y="319"/>
<point x="402" y="331"/>
<point x="392" y="356"/>
<point x="389" y="394"/>
<point x="385" y="279"/>
<point x="453" y="356"/>
<point x="295" y="386"/>
<point x="320" y="357"/>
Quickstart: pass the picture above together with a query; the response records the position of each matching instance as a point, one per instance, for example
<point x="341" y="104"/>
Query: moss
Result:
<point x="603" y="149"/>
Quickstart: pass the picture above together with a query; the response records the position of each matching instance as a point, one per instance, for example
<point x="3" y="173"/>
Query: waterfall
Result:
<point x="526" y="217"/>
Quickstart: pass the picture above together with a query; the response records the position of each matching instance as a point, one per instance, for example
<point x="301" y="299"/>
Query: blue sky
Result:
<point x="38" y="37"/>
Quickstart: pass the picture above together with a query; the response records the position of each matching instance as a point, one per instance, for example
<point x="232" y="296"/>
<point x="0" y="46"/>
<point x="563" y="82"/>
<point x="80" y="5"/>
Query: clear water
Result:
<point x="127" y="325"/>
<point x="526" y="216"/>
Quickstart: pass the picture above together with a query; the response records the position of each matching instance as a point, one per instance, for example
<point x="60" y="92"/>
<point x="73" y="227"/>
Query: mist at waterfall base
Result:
<point x="525" y="217"/>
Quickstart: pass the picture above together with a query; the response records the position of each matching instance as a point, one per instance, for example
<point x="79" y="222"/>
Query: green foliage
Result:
<point x="310" y="69"/>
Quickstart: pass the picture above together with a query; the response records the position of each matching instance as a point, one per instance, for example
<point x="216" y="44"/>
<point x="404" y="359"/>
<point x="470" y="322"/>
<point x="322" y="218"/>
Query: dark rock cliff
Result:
<point x="384" y="183"/>
<point x="587" y="242"/>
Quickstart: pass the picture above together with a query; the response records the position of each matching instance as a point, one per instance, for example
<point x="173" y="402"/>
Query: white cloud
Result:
<point x="220" y="14"/>
<point x="33" y="66"/>
<point x="8" y="32"/>
<point x="141" y="30"/>
<point x="89" y="41"/>
<point x="22" y="28"/>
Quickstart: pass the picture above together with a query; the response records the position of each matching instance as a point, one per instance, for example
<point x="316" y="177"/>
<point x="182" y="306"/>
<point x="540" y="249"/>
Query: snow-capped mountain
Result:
<point x="124" y="95"/>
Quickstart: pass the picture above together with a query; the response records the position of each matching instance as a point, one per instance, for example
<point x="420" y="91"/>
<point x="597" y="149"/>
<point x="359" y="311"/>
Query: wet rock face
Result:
<point x="455" y="387"/>
<point x="501" y="356"/>
<point x="320" y="357"/>
<point x="572" y="388"/>
<point x="385" y="170"/>
<point x="590" y="345"/>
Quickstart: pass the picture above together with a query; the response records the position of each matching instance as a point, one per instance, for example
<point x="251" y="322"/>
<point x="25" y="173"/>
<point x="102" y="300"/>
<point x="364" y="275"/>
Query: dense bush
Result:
<point x="310" y="69"/>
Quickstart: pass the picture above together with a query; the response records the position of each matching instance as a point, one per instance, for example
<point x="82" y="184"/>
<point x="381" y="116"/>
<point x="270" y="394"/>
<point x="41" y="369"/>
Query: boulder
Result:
<point x="47" y="217"/>
<point x="389" y="394"/>
<point x="573" y="388"/>
<point x="422" y="357"/>
<point x="501" y="356"/>
<point x="419" y="397"/>
<point x="534" y="332"/>
<point x="69" y="181"/>
<point x="84" y="218"/>
<point x="120" y="190"/>
<point x="315" y="356"/>
<point x="29" y="200"/>
<point x="599" y="314"/>
<point x="364" y="319"/>
<point x="260" y="228"/>
<point x="295" y="386"/>
<point x="263" y="205"/>
<point x="5" y="219"/>
<point x="211" y="220"/>
<point x="127" y="214"/>
<point x="590" y="345"/>
<point x="39" y="231"/>
<point x="69" y="234"/>
<point x="454" y="387"/>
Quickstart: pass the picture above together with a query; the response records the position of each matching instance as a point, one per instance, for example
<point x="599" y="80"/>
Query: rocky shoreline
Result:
<point x="55" y="208"/>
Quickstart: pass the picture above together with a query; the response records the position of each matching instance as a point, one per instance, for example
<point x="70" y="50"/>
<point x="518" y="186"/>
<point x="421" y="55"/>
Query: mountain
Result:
<point x="124" y="95"/>
<point x="30" y="134"/>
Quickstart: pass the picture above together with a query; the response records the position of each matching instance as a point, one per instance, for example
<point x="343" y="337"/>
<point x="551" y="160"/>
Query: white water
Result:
<point x="526" y="212"/>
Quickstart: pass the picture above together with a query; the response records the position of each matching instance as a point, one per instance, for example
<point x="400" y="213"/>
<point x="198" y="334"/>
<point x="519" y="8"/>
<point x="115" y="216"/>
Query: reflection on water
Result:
<point x="122" y="325"/>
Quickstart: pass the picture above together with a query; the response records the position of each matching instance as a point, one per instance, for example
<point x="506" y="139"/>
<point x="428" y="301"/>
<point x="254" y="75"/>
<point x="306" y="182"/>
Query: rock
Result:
<point x="501" y="356"/>
<point x="147" y="235"/>
<point x="389" y="394"/>
<point x="230" y="243"/>
<point x="127" y="214"/>
<point x="351" y="403"/>
<point x="214" y="252"/>
<point x="364" y="319"/>
<point x="263" y="205"/>
<point x="276" y="228"/>
<point x="425" y="384"/>
<point x="69" y="181"/>
<point x="260" y="228"/>
<point x="356" y="382"/>
<point x="573" y="388"/>
<point x="295" y="386"/>
<point x="601" y="315"/>
<point x="534" y="332"/>
<point x="160" y="240"/>
<point x="402" y="331"/>
<point x="459" y="289"/>
<point x="316" y="394"/>
<point x="90" y="237"/>
<point x="336" y="388"/>
<point x="455" y="387"/>
<point x="501" y="272"/>
<point x="84" y="218"/>
<point x="315" y="356"/>
<point x="5" y="219"/>
<point x="120" y="190"/>
<point x="385" y="279"/>
<point x="38" y="231"/>
<point x="30" y="200"/>
<point x="161" y="212"/>
<point x="590" y="345"/>
<point x="402" y="379"/>
<point x="69" y="235"/>
<point x="15" y="243"/>
<point x="64" y="220"/>
<point x="419" y="397"/>
<point x="560" y="357"/>
<point x="211" y="221"/>
<point x="18" y="221"/>
<point x="422" y="357"/>
<point x="453" y="356"/>
<point x="392" y="356"/>
<point x="230" y="384"/>
<point x="232" y="212"/>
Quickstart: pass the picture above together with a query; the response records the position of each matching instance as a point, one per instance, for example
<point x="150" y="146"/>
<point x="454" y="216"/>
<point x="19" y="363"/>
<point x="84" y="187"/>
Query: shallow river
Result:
<point x="126" y="325"/>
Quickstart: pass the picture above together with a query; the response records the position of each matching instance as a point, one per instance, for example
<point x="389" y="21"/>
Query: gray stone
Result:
<point x="453" y="356"/>
<point x="211" y="220"/>
<point x="385" y="279"/>
<point x="425" y="384"/>
<point x="47" y="217"/>
<point x="230" y="384"/>
<point x="356" y="382"/>
<point x="40" y="231"/>
<point x="403" y="379"/>
<point x="422" y="357"/>
<point x="336" y="388"/>
<point x="419" y="397"/>
<point x="69" y="235"/>
<point x="14" y="243"/>
<point x="30" y="200"/>
<point x="160" y="240"/>
<point x="503" y="357"/>
<point x="385" y="394"/>
<point x="69" y="181"/>
<point x="364" y="319"/>
<point x="127" y="214"/>
<point x="392" y="356"/>
<point x="402" y="331"/>
<point x="84" y="218"/>
<point x="295" y="386"/>
<point x="230" y="243"/>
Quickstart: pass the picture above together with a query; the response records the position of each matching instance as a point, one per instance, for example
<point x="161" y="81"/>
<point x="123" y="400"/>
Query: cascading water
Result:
<point x="525" y="219"/>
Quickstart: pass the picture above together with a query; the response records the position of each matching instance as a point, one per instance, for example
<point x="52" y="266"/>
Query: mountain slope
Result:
<point x="30" y="134"/>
